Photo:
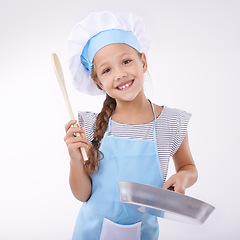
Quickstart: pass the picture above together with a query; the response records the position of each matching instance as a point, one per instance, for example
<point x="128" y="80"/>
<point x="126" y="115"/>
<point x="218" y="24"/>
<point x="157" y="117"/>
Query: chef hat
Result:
<point x="97" y="30"/>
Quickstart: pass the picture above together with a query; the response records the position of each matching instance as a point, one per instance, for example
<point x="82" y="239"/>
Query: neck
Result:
<point x="136" y="104"/>
<point x="132" y="111"/>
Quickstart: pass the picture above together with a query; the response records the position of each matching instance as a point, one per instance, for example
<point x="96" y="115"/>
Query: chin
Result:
<point x="126" y="98"/>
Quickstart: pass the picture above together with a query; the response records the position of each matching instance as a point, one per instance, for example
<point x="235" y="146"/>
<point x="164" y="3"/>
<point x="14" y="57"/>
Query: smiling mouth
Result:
<point x="125" y="86"/>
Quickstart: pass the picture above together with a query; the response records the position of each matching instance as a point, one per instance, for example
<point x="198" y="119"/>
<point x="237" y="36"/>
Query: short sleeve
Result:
<point x="181" y="120"/>
<point x="88" y="120"/>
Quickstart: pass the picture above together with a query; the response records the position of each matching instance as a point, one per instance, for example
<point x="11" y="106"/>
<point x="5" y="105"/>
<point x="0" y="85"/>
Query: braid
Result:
<point x="94" y="154"/>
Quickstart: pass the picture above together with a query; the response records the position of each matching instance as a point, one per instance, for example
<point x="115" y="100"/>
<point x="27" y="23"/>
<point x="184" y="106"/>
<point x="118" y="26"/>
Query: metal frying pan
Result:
<point x="164" y="203"/>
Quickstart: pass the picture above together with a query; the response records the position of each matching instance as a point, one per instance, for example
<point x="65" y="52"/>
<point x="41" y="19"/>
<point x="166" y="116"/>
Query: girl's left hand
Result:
<point x="178" y="181"/>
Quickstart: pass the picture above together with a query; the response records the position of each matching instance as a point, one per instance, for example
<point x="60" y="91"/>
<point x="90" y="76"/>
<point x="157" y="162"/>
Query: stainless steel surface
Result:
<point x="164" y="203"/>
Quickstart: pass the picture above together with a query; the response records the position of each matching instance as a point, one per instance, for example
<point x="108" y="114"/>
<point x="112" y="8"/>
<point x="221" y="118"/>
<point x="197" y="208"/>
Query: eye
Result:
<point x="127" y="61"/>
<point x="106" y="70"/>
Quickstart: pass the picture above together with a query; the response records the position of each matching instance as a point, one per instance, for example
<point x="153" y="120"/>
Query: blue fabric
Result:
<point x="103" y="39"/>
<point x="124" y="159"/>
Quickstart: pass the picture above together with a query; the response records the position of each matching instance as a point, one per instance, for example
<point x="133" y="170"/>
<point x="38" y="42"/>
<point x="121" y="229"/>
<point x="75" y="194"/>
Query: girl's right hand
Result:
<point x="73" y="142"/>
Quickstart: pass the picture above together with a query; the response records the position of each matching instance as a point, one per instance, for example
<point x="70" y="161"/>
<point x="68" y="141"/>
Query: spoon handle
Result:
<point x="59" y="74"/>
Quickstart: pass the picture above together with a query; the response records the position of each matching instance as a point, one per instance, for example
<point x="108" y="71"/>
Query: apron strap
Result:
<point x="155" y="120"/>
<point x="154" y="124"/>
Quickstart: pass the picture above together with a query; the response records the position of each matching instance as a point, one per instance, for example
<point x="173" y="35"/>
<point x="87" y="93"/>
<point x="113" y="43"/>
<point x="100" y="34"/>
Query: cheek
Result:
<point x="98" y="82"/>
<point x="104" y="83"/>
<point x="139" y="72"/>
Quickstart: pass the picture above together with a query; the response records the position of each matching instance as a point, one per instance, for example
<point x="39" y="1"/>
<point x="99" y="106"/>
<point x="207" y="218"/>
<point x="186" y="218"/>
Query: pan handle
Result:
<point x="171" y="188"/>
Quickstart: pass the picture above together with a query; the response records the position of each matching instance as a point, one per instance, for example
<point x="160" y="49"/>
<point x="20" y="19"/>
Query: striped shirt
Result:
<point x="171" y="127"/>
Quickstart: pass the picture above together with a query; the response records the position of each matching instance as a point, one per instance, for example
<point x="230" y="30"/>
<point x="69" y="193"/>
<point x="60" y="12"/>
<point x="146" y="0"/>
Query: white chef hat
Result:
<point x="97" y="30"/>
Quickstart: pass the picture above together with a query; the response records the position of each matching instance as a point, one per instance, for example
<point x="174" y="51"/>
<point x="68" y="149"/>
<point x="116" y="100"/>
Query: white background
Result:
<point x="194" y="65"/>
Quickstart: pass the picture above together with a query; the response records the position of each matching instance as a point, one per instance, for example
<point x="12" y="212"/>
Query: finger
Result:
<point x="84" y="132"/>
<point x="168" y="184"/>
<point x="77" y="139"/>
<point x="72" y="132"/>
<point x="75" y="146"/>
<point x="69" y="124"/>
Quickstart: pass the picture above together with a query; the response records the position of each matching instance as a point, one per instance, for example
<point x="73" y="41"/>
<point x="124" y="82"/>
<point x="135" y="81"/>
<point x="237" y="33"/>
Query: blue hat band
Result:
<point x="103" y="39"/>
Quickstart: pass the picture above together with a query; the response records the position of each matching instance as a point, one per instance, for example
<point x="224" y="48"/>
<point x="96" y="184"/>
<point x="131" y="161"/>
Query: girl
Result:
<point x="131" y="139"/>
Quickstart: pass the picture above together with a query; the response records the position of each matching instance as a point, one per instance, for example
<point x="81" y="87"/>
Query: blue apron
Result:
<point x="103" y="216"/>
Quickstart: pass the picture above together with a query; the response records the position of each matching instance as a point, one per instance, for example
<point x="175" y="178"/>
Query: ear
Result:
<point x="144" y="62"/>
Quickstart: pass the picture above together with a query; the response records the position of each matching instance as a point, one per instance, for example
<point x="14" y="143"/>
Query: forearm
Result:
<point x="190" y="174"/>
<point x="80" y="182"/>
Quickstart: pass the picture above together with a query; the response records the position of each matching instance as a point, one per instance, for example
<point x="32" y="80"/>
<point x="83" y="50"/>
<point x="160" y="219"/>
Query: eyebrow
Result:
<point x="106" y="63"/>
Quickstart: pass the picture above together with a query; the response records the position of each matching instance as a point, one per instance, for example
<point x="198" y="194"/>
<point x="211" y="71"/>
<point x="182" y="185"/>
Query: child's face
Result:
<point x="120" y="71"/>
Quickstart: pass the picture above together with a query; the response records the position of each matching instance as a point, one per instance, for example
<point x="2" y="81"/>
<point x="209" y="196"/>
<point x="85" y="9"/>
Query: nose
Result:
<point x="119" y="74"/>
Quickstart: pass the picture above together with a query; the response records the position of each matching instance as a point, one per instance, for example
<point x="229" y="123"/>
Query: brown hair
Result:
<point x="94" y="154"/>
<point x="109" y="105"/>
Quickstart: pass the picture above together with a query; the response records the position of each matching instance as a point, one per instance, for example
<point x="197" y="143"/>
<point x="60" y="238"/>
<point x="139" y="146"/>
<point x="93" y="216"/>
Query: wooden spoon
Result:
<point x="59" y="74"/>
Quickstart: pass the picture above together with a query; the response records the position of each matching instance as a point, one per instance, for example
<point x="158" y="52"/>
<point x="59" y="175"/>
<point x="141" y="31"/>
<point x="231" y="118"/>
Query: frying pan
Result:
<point x="164" y="203"/>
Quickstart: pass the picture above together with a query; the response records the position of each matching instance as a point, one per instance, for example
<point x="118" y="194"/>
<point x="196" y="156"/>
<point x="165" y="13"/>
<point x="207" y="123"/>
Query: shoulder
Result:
<point x="175" y="122"/>
<point x="87" y="116"/>
<point x="88" y="120"/>
<point x="174" y="115"/>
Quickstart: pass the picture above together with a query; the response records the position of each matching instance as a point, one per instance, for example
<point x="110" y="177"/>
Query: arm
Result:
<point x="79" y="179"/>
<point x="186" y="172"/>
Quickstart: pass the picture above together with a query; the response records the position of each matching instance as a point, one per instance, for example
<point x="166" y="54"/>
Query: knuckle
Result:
<point x="66" y="126"/>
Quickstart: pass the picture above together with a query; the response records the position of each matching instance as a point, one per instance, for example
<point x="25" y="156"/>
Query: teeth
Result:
<point x="124" y="86"/>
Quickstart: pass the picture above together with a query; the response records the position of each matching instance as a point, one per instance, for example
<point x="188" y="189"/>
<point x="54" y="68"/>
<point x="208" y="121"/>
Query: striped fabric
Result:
<point x="171" y="127"/>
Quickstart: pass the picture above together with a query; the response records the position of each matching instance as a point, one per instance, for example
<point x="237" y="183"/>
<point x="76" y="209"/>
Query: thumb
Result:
<point x="84" y="134"/>
<point x="168" y="183"/>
